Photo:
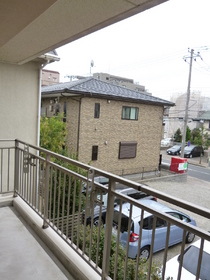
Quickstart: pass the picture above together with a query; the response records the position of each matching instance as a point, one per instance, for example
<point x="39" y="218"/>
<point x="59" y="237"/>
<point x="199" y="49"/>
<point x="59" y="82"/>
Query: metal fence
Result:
<point x="66" y="194"/>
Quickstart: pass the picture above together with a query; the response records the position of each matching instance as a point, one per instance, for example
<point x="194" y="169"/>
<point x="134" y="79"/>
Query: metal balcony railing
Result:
<point x="65" y="193"/>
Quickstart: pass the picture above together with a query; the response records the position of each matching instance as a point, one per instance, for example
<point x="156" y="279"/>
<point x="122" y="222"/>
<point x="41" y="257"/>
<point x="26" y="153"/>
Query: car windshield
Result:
<point x="175" y="147"/>
<point x="190" y="262"/>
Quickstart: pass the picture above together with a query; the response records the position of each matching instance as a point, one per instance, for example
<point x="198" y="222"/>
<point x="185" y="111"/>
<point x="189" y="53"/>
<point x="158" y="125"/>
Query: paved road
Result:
<point x="195" y="169"/>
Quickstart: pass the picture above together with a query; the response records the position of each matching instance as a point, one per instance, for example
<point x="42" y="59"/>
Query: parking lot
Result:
<point x="193" y="190"/>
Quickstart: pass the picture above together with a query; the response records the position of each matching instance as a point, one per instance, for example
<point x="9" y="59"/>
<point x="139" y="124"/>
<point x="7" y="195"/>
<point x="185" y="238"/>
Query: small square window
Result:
<point x="97" y="110"/>
<point x="94" y="152"/>
<point x="130" y="113"/>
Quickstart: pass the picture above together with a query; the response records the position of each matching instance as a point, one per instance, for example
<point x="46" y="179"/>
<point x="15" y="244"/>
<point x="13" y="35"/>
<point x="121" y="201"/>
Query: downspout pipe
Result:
<point x="39" y="101"/>
<point x="78" y="128"/>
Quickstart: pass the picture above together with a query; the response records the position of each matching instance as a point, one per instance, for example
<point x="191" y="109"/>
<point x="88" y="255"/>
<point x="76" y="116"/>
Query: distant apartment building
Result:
<point x="50" y="77"/>
<point x="120" y="81"/>
<point x="198" y="105"/>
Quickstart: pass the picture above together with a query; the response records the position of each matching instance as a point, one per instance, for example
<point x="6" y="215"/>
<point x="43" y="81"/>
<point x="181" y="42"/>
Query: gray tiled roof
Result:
<point x="94" y="87"/>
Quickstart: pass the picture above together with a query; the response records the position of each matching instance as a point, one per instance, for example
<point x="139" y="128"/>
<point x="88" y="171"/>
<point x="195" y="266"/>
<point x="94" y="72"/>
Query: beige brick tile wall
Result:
<point x="111" y="129"/>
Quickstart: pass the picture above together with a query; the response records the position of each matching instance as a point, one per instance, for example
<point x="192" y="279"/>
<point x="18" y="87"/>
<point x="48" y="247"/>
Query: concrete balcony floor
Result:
<point x="22" y="253"/>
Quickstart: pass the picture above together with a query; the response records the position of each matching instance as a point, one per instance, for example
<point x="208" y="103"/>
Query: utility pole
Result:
<point x="192" y="56"/>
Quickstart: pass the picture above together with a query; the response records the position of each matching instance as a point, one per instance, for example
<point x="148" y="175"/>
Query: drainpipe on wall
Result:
<point x="39" y="100"/>
<point x="78" y="128"/>
<point x="38" y="125"/>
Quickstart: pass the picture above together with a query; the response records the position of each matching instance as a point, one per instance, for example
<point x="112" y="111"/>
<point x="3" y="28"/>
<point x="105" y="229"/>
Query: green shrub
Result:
<point x="131" y="265"/>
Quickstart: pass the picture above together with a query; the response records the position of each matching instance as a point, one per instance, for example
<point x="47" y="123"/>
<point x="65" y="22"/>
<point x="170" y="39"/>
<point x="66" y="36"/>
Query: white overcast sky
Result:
<point x="148" y="48"/>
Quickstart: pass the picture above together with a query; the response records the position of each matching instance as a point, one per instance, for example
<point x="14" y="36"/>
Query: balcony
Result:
<point x="44" y="192"/>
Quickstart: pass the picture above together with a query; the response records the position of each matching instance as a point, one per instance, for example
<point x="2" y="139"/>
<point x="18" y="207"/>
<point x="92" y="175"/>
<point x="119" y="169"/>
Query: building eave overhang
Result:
<point x="72" y="93"/>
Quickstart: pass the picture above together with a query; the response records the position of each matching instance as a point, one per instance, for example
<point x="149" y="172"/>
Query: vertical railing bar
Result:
<point x="108" y="230"/>
<point x="86" y="210"/>
<point x="55" y="190"/>
<point x="8" y="173"/>
<point x="78" y="220"/>
<point x="68" y="207"/>
<point x="118" y="240"/>
<point x="46" y="191"/>
<point x="92" y="198"/>
<point x="166" y="250"/>
<point x="27" y="185"/>
<point x="200" y="259"/>
<point x="39" y="187"/>
<point x="73" y="211"/>
<point x="151" y="247"/>
<point x="24" y="186"/>
<point x="17" y="165"/>
<point x="92" y="221"/>
<point x="33" y="183"/>
<point x="99" y="230"/>
<point x="128" y="240"/>
<point x="50" y="192"/>
<point x="59" y="195"/>
<point x="182" y="254"/>
<point x="30" y="184"/>
<point x="139" y="243"/>
<point x="21" y="173"/>
<point x="42" y="187"/>
<point x="23" y="180"/>
<point x="1" y="170"/>
<point x="63" y="204"/>
<point x="36" y="184"/>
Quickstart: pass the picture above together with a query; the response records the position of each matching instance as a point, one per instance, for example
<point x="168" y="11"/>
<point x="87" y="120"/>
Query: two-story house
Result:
<point x="109" y="126"/>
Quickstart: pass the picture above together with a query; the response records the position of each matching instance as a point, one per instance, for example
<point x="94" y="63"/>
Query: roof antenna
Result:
<point x="91" y="65"/>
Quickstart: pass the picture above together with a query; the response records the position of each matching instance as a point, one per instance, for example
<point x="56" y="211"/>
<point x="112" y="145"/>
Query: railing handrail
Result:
<point x="138" y="186"/>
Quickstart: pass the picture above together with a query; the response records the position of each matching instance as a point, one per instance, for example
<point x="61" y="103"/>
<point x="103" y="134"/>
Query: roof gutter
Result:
<point x="49" y="57"/>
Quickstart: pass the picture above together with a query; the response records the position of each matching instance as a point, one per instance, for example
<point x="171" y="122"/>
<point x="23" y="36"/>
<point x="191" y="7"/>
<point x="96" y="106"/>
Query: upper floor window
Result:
<point x="94" y="152"/>
<point x="130" y="113"/>
<point x="97" y="110"/>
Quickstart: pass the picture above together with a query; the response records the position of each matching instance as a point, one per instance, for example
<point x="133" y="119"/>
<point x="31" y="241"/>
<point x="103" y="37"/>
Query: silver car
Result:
<point x="160" y="232"/>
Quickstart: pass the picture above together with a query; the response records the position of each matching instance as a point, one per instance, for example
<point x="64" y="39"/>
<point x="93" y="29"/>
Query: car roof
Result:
<point x="128" y="191"/>
<point x="136" y="211"/>
<point x="174" y="147"/>
<point x="206" y="246"/>
<point x="190" y="147"/>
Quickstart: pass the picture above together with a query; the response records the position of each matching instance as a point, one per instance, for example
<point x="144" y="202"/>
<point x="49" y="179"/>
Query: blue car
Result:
<point x="160" y="232"/>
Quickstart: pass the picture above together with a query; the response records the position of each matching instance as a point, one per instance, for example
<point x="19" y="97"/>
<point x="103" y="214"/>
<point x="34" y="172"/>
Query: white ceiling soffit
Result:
<point x="29" y="28"/>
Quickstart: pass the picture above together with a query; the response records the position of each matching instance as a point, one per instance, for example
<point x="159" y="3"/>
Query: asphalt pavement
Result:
<point x="203" y="161"/>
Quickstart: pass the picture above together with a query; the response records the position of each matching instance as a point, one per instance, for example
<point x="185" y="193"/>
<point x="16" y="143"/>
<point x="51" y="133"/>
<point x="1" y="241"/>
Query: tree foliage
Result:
<point x="200" y="137"/>
<point x="178" y="136"/>
<point x="53" y="133"/>
<point x="188" y="134"/>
